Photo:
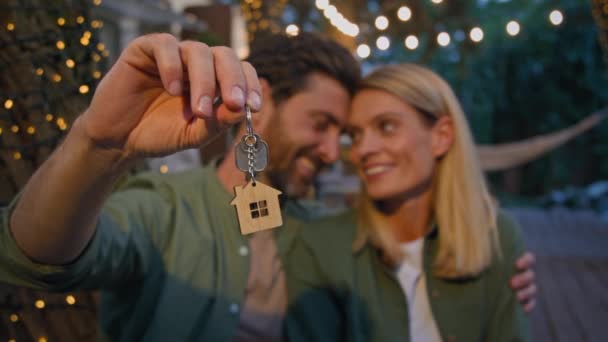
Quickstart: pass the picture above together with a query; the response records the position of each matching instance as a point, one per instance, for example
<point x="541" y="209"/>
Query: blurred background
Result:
<point x="531" y="75"/>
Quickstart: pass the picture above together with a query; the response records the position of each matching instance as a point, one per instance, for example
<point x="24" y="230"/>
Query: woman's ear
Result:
<point x="442" y="136"/>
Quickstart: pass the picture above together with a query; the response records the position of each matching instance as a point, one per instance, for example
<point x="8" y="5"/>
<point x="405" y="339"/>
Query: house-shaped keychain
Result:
<point x="257" y="206"/>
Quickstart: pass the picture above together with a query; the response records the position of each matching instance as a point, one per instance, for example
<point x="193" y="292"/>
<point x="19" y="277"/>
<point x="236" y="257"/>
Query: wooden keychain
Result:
<point x="257" y="204"/>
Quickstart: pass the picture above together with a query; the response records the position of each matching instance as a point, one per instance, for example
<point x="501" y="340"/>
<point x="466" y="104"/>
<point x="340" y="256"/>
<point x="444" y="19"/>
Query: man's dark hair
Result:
<point x="286" y="62"/>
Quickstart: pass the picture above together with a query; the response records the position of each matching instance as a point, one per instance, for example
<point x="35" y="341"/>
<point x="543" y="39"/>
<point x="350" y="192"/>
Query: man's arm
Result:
<point x="140" y="109"/>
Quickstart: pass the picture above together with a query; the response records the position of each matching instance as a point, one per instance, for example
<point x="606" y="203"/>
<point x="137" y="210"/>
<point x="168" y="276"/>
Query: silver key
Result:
<point x="259" y="153"/>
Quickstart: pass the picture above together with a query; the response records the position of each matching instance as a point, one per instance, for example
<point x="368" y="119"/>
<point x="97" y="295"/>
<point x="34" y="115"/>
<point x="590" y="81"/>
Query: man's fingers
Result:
<point x="526" y="261"/>
<point x="526" y="294"/>
<point x="523" y="279"/>
<point x="163" y="48"/>
<point x="198" y="60"/>
<point x="230" y="77"/>
<point x="254" y="97"/>
<point x="530" y="306"/>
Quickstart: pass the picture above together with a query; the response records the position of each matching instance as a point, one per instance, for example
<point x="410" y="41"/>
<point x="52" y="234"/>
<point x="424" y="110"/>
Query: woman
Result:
<point x="427" y="255"/>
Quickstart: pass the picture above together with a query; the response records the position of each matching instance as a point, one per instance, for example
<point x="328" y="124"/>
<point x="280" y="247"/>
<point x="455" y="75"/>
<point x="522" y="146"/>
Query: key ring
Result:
<point x="248" y="121"/>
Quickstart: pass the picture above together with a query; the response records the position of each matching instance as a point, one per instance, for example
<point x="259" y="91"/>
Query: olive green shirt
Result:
<point x="167" y="254"/>
<point x="337" y="294"/>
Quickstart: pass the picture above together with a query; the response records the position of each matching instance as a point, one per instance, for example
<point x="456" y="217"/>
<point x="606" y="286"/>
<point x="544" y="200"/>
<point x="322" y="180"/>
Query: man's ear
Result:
<point x="263" y="117"/>
<point x="442" y="136"/>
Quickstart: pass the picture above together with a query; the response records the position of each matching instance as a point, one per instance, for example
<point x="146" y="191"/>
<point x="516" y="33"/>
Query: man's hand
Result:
<point x="158" y="97"/>
<point x="523" y="283"/>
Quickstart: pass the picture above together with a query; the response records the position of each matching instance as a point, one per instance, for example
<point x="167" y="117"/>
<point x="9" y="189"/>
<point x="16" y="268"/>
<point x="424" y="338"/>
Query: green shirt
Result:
<point x="337" y="294"/>
<point x="167" y="254"/>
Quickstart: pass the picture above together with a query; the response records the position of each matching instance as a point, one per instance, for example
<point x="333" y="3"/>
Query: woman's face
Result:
<point x="393" y="149"/>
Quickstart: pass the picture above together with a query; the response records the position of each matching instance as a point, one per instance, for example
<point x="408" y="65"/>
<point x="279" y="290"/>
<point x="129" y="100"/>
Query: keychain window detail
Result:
<point x="258" y="209"/>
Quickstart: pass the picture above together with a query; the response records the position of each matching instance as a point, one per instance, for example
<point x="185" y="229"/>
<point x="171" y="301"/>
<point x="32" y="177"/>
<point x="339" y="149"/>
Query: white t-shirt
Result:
<point x="413" y="282"/>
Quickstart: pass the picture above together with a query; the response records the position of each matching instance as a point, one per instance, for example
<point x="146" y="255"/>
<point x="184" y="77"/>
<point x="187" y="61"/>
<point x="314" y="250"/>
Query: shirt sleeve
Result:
<point x="127" y="241"/>
<point x="508" y="321"/>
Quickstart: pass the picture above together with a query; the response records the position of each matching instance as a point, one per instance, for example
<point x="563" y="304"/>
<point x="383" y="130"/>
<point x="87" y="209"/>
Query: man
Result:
<point x="166" y="250"/>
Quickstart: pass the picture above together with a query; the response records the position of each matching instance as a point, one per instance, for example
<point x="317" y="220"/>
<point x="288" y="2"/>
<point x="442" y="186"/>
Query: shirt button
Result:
<point x="234" y="308"/>
<point x="243" y="251"/>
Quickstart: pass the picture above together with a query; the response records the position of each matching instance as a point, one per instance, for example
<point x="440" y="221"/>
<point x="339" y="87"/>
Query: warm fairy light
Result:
<point x="443" y="39"/>
<point x="56" y="78"/>
<point x="15" y="129"/>
<point x="476" y="34"/>
<point x="80" y="19"/>
<point x="381" y="23"/>
<point x="556" y="17"/>
<point x="101" y="46"/>
<point x="383" y="43"/>
<point x="411" y="42"/>
<point x="363" y="51"/>
<point x="14" y="318"/>
<point x="61" y="124"/>
<point x="83" y="89"/>
<point x="87" y="34"/>
<point x="8" y="104"/>
<point x="437" y="1"/>
<point x="292" y="30"/>
<point x="96" y="2"/>
<point x="164" y="169"/>
<point x="105" y="53"/>
<point x="60" y="21"/>
<point x="513" y="28"/>
<point x="70" y="63"/>
<point x="96" y="57"/>
<point x="96" y="24"/>
<point x="404" y="13"/>
<point x="39" y="71"/>
<point x="49" y="117"/>
<point x="39" y="303"/>
<point x="321" y="4"/>
<point x="60" y="45"/>
<point x="84" y="41"/>
<point x="0" y="130"/>
<point x="17" y="156"/>
<point x="96" y="74"/>
<point x="42" y="339"/>
<point x="31" y="130"/>
<point x="70" y="300"/>
<point x="10" y="26"/>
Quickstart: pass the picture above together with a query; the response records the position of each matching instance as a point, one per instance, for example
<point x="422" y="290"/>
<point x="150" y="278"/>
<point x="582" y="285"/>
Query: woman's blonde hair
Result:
<point x="461" y="203"/>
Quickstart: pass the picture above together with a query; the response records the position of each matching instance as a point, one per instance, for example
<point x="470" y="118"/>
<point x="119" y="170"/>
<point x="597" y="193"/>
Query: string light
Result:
<point x="404" y="13"/>
<point x="15" y="129"/>
<point x="14" y="318"/>
<point x="84" y="41"/>
<point x="39" y="71"/>
<point x="96" y="2"/>
<point x="363" y="51"/>
<point x="49" y="117"/>
<point x="42" y="339"/>
<point x="321" y="4"/>
<point x="383" y="43"/>
<point x="411" y="42"/>
<point x="31" y="130"/>
<point x="556" y="17"/>
<point x="61" y="124"/>
<point x="476" y="34"/>
<point x="83" y="89"/>
<point x="70" y="300"/>
<point x="443" y="39"/>
<point x="437" y="1"/>
<point x="60" y="21"/>
<point x="8" y="104"/>
<point x="80" y="19"/>
<point x="39" y="303"/>
<point x="513" y="28"/>
<point x="101" y="46"/>
<point x="60" y="45"/>
<point x="96" y="74"/>
<point x="381" y="23"/>
<point x="164" y="168"/>
<point x="56" y="78"/>
<point x="336" y="18"/>
<point x="10" y="26"/>
<point x="70" y="63"/>
<point x="96" y="24"/>
<point x="0" y="130"/>
<point x="292" y="30"/>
